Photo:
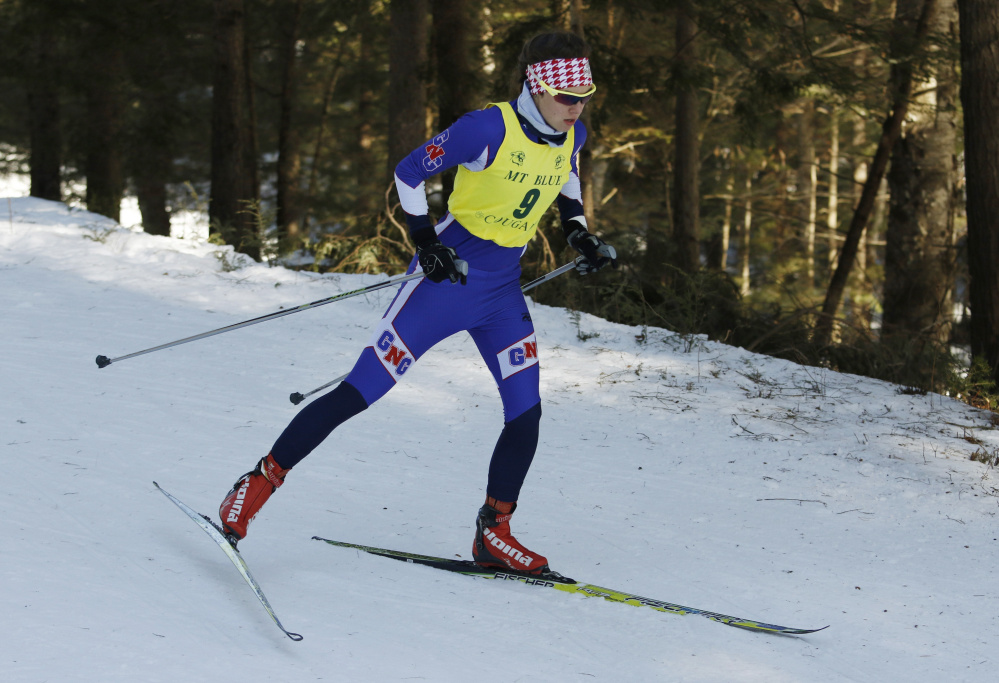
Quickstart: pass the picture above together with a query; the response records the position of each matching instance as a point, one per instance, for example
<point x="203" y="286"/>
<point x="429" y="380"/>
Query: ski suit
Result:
<point x="509" y="175"/>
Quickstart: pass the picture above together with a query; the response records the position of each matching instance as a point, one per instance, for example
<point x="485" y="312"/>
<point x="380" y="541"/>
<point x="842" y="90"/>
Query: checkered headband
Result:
<point x="559" y="74"/>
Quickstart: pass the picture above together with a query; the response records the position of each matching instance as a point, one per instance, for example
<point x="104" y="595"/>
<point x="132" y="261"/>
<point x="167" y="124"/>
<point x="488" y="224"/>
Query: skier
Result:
<point x="515" y="158"/>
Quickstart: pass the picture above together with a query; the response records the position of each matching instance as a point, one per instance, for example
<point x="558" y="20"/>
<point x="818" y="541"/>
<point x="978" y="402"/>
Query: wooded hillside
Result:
<point x="816" y="179"/>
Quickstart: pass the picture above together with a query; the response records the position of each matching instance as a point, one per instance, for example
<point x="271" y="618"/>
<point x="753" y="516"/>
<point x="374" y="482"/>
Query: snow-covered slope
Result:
<point x="677" y="469"/>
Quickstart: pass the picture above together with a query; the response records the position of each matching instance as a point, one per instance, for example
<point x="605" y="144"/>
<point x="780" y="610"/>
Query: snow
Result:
<point x="675" y="468"/>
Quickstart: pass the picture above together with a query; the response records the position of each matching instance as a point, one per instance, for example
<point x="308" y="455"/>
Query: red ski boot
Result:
<point x="248" y="495"/>
<point x="495" y="546"/>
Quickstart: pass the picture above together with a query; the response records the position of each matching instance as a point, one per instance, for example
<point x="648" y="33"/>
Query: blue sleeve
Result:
<point x="568" y="208"/>
<point x="579" y="135"/>
<point x="461" y="143"/>
<point x="570" y="202"/>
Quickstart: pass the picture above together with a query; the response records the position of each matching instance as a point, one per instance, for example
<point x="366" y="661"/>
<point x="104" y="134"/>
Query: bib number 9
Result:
<point x="530" y="199"/>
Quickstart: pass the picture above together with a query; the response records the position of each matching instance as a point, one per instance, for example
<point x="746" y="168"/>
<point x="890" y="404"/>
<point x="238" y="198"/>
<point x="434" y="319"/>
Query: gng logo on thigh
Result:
<point x="518" y="356"/>
<point x="392" y="352"/>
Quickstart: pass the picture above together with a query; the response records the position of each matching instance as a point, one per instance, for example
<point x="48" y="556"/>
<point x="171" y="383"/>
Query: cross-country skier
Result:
<point x="515" y="158"/>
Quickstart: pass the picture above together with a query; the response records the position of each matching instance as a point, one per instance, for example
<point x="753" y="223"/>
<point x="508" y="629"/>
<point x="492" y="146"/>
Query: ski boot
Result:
<point x="495" y="546"/>
<point x="248" y="495"/>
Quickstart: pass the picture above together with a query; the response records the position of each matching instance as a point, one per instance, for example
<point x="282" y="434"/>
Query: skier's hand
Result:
<point x="440" y="262"/>
<point x="596" y="253"/>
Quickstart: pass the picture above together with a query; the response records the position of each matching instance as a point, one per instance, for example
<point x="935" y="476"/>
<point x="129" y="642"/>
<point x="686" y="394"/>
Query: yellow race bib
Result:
<point x="504" y="202"/>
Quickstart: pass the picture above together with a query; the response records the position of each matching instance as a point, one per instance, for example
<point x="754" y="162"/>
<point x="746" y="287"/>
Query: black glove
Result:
<point x="440" y="262"/>
<point x="596" y="253"/>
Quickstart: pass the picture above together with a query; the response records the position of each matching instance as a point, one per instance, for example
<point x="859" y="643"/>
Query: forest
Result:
<point x="816" y="180"/>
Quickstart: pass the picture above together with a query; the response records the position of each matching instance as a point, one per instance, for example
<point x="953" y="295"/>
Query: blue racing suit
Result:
<point x="491" y="306"/>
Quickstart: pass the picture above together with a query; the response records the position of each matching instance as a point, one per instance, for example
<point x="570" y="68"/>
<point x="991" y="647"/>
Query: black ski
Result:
<point x="563" y="583"/>
<point x="230" y="550"/>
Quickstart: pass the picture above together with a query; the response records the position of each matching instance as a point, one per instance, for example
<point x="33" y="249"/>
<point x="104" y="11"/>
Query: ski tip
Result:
<point x="816" y="630"/>
<point x="784" y="631"/>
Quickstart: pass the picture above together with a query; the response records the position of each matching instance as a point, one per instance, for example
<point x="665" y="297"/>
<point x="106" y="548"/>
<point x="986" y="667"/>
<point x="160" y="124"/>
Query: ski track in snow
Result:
<point x="675" y="468"/>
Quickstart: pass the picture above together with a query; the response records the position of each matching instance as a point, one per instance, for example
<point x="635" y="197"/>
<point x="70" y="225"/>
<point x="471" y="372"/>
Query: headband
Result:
<point x="559" y="74"/>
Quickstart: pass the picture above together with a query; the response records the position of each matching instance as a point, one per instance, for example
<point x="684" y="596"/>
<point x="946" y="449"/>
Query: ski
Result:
<point x="555" y="580"/>
<point x="230" y="550"/>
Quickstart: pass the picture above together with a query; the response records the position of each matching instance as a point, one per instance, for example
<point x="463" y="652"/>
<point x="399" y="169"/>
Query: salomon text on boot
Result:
<point x="495" y="546"/>
<point x="248" y="495"/>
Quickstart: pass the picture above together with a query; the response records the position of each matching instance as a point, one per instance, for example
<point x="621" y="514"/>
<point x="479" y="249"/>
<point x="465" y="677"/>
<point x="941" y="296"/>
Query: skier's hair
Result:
<point x="545" y="46"/>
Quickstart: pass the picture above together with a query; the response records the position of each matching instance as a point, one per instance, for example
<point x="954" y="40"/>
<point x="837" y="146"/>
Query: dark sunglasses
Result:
<point x="564" y="96"/>
<point x="569" y="100"/>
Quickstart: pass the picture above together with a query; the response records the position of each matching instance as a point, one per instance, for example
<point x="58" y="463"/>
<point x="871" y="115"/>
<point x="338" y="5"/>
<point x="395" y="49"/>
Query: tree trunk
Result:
<point x="979" y="20"/>
<point x="253" y="153"/>
<point x="43" y="110"/>
<point x="832" y="213"/>
<point x="329" y="89"/>
<point x="905" y="41"/>
<point x="920" y="262"/>
<point x="726" y="229"/>
<point x="150" y="165"/>
<point x="808" y="185"/>
<point x="104" y="115"/>
<point x="782" y="199"/>
<point x="747" y="223"/>
<point x="585" y="161"/>
<point x="289" y="163"/>
<point x="365" y="168"/>
<point x="233" y="164"/>
<point x="407" y="99"/>
<point x="686" y="200"/>
<point x="149" y="156"/>
<point x="456" y="87"/>
<point x="151" y="192"/>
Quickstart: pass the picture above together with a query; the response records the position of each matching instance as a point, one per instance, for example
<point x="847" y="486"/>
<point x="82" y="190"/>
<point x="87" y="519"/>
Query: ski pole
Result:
<point x="104" y="361"/>
<point x="298" y="397"/>
<point x="555" y="273"/>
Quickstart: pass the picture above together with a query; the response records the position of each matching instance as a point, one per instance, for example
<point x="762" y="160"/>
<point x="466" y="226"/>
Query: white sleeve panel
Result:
<point x="572" y="189"/>
<point x="412" y="199"/>
<point x="480" y="163"/>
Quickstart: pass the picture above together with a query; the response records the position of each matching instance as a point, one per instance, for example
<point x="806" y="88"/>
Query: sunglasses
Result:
<point x="565" y="97"/>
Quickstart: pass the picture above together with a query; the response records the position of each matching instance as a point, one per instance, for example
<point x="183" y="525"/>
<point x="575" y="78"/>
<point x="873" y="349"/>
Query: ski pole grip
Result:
<point x="103" y="361"/>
